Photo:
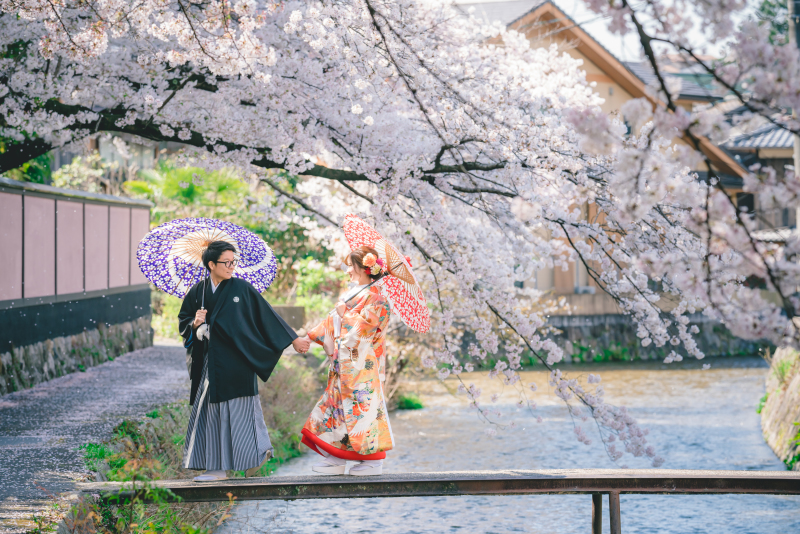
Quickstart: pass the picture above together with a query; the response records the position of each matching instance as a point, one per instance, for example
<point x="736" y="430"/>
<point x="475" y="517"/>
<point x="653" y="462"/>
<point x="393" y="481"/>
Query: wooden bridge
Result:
<point x="596" y="482"/>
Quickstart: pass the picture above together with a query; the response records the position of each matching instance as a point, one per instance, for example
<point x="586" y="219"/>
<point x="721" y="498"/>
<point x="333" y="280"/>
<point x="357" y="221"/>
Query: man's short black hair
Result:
<point x="215" y="250"/>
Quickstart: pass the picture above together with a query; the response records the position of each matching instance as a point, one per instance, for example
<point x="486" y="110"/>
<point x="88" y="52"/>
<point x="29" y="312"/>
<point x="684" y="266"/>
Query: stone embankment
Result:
<point x="780" y="412"/>
<point x="24" y="367"/>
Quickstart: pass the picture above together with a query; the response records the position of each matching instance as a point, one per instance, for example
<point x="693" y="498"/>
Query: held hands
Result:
<point x="341" y="307"/>
<point x="199" y="318"/>
<point x="302" y="344"/>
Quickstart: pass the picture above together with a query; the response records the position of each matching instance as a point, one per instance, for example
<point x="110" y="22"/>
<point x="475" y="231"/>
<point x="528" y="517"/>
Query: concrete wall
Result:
<point x="11" y="239"/>
<point x="62" y="243"/>
<point x="72" y="294"/>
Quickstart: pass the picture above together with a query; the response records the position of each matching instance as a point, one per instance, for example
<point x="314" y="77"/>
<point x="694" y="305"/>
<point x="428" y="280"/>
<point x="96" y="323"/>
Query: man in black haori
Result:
<point x="233" y="336"/>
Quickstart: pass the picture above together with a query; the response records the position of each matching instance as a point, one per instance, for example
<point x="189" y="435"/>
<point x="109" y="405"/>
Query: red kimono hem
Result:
<point x="315" y="444"/>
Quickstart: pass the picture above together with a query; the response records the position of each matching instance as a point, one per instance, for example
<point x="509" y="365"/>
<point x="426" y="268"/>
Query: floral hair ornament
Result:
<point x="373" y="265"/>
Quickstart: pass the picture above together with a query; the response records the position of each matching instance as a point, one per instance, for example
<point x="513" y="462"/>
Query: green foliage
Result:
<point x="776" y="14"/>
<point x="318" y="352"/>
<point x="37" y="170"/>
<point x="615" y="352"/>
<point x="193" y="192"/>
<point x="94" y="454"/>
<point x="153" y="415"/>
<point x="81" y="368"/>
<point x="316" y="277"/>
<point x="86" y="173"/>
<point x="761" y="403"/>
<point x="317" y="286"/>
<point x="409" y="401"/>
<point x="165" y="310"/>
<point x="129" y="429"/>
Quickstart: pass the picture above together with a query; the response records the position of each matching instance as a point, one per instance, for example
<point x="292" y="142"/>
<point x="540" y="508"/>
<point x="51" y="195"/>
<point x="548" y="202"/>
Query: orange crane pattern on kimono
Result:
<point x="351" y="414"/>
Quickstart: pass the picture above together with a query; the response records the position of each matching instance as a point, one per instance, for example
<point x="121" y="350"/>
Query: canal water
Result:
<point x="698" y="419"/>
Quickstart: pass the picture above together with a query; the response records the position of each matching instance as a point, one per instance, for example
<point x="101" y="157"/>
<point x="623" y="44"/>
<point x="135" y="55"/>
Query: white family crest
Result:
<point x="235" y="299"/>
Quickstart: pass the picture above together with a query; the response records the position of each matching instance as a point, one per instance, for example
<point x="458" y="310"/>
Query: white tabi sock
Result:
<point x="331" y="459"/>
<point x="368" y="463"/>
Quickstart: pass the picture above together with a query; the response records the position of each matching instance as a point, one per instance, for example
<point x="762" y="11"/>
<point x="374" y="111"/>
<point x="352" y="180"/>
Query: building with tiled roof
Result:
<point x="767" y="146"/>
<point x="768" y="137"/>
<point x="617" y="82"/>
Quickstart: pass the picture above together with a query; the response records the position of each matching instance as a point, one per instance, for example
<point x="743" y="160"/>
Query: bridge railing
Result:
<point x="597" y="482"/>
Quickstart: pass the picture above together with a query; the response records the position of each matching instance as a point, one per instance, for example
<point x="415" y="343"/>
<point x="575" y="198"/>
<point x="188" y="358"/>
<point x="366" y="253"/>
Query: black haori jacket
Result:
<point x="247" y="338"/>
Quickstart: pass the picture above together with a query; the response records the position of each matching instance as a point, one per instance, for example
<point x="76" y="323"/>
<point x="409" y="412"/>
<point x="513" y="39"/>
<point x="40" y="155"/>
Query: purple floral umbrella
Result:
<point x="170" y="255"/>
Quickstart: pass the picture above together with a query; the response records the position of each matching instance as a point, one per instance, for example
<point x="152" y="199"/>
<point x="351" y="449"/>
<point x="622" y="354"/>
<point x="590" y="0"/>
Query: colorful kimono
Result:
<point x="350" y="421"/>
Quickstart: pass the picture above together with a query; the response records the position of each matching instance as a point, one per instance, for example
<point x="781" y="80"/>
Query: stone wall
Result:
<point x="781" y="411"/>
<point x="24" y="367"/>
<point x="613" y="337"/>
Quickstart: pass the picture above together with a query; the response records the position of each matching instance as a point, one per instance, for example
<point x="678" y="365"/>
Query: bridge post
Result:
<point x="613" y="512"/>
<point x="597" y="513"/>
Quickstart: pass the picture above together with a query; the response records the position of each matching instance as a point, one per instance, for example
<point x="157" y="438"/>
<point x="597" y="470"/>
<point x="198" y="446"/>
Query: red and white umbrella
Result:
<point x="401" y="286"/>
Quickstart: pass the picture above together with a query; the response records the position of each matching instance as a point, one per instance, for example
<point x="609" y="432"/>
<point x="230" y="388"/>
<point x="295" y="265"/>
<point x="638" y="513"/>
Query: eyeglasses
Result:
<point x="229" y="264"/>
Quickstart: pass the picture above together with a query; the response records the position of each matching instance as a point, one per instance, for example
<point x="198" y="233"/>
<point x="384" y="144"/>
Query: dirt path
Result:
<point x="41" y="428"/>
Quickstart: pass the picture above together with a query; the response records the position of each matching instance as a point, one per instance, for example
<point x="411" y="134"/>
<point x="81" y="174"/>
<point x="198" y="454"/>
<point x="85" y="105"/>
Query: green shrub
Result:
<point x="165" y="314"/>
<point x="762" y="402"/>
<point x="94" y="454"/>
<point x="409" y="401"/>
<point x="128" y="428"/>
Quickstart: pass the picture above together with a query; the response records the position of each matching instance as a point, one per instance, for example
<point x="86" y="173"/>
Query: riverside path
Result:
<point x="41" y="428"/>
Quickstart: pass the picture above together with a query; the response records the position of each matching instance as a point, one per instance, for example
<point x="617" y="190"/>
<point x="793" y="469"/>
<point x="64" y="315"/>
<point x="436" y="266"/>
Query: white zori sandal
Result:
<point x="330" y="465"/>
<point x="367" y="468"/>
<point x="211" y="476"/>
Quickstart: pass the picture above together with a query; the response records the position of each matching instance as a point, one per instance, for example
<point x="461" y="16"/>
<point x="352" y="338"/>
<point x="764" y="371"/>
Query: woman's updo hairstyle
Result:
<point x="356" y="259"/>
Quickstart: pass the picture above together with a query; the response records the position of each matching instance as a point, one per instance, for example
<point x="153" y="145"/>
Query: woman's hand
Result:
<point x="199" y="318"/>
<point x="302" y="344"/>
<point x="341" y="307"/>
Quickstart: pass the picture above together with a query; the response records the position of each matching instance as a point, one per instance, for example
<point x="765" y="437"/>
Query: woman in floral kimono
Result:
<point x="350" y="421"/>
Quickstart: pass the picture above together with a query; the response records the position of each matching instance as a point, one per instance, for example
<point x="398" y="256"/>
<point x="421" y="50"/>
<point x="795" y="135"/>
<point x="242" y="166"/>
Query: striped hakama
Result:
<point x="229" y="436"/>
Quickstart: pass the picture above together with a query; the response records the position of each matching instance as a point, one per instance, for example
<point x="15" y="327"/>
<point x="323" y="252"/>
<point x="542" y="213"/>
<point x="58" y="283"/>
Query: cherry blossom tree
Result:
<point x="473" y="158"/>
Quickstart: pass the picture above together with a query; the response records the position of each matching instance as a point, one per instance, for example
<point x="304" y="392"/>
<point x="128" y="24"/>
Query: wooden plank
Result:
<point x="513" y="482"/>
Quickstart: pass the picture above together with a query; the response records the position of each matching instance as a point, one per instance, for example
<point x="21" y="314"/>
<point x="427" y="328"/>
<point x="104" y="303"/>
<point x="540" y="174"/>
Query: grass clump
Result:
<point x="783" y="370"/>
<point x="138" y="453"/>
<point x="794" y="460"/>
<point x="409" y="401"/>
<point x="286" y="401"/>
<point x="761" y="403"/>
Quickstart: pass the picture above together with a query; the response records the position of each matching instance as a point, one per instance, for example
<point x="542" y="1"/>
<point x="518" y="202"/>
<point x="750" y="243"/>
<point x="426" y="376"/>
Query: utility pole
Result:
<point x="794" y="37"/>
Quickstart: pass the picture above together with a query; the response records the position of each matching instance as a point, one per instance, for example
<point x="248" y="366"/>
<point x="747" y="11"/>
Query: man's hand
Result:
<point x="301" y="344"/>
<point x="199" y="318"/>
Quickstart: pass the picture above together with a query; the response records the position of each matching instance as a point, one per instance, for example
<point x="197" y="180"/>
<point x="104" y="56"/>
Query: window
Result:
<point x="745" y="202"/>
